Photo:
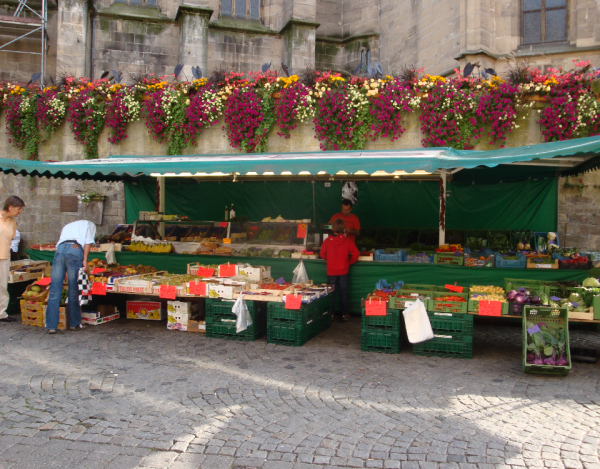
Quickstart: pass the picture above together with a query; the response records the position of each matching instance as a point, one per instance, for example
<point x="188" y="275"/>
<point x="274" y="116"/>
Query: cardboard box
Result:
<point x="26" y="269"/>
<point x="149" y="310"/>
<point x="38" y="318"/>
<point x="254" y="273"/>
<point x="133" y="285"/>
<point x="30" y="306"/>
<point x="88" y="318"/>
<point x="100" y="311"/>
<point x="180" y="312"/>
<point x="196" y="326"/>
<point x="585" y="315"/>
<point x="41" y="296"/>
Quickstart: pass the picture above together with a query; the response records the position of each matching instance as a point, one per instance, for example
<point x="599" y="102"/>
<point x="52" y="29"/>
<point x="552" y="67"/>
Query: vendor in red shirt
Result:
<point x="350" y="220"/>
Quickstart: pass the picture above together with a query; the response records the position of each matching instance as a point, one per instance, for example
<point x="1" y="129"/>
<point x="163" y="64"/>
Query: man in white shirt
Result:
<point x="14" y="247"/>
<point x="72" y="252"/>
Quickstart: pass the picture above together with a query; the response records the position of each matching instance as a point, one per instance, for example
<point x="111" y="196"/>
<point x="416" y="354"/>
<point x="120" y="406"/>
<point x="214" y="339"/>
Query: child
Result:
<point x="340" y="253"/>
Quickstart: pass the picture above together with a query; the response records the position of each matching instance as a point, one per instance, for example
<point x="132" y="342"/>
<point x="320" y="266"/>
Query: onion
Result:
<point x="511" y="295"/>
<point x="520" y="299"/>
<point x="535" y="300"/>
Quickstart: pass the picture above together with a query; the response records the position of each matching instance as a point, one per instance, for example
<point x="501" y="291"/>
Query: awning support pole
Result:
<point x="161" y="202"/>
<point x="442" y="234"/>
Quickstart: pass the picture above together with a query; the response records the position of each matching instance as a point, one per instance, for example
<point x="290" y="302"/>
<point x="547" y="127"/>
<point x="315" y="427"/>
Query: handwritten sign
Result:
<point x="43" y="281"/>
<point x="168" y="291"/>
<point x="490" y="308"/>
<point x="375" y="308"/>
<point x="454" y="288"/>
<point x="227" y="270"/>
<point x="301" y="231"/>
<point x="205" y="272"/>
<point x="98" y="270"/>
<point x="198" y="288"/>
<point x="293" y="301"/>
<point x="226" y="240"/>
<point x="98" y="288"/>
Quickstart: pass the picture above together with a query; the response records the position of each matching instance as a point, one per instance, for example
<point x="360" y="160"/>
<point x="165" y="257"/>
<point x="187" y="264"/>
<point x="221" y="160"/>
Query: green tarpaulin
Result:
<point x="363" y="275"/>
<point x="408" y="204"/>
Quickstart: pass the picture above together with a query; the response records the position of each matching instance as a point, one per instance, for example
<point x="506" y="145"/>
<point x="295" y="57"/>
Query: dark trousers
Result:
<point x="341" y="285"/>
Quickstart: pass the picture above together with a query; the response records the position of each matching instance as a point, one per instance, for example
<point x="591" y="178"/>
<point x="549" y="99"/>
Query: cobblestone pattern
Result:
<point x="132" y="394"/>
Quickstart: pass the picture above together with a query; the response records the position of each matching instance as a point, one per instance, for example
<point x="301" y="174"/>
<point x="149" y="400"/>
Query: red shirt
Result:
<point x="340" y="253"/>
<point x="351" y="222"/>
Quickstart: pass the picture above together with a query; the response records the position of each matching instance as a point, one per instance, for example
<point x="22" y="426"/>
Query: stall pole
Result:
<point x="442" y="234"/>
<point x="161" y="202"/>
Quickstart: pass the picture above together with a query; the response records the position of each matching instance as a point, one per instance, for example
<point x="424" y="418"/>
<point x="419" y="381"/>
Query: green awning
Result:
<point x="566" y="157"/>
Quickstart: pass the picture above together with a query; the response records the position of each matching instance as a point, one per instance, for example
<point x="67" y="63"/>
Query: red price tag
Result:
<point x="43" y="281"/>
<point x="223" y="224"/>
<point x="98" y="288"/>
<point x="168" y="291"/>
<point x="454" y="288"/>
<point x="98" y="270"/>
<point x="490" y="308"/>
<point x="205" y="272"/>
<point x="301" y="231"/>
<point x="227" y="270"/>
<point x="198" y="288"/>
<point x="254" y="228"/>
<point x="375" y="308"/>
<point x="293" y="301"/>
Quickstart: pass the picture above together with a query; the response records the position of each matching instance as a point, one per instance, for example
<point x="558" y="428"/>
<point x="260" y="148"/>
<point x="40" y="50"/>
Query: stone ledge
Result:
<point x="301" y="23"/>
<point x="241" y="25"/>
<point x="194" y="10"/>
<point x="357" y="37"/>
<point x="134" y="13"/>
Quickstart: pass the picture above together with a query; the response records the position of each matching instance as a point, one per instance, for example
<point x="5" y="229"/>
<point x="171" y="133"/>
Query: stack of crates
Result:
<point x="381" y="333"/>
<point x="220" y="320"/>
<point x="295" y="326"/>
<point x="452" y="328"/>
<point x="325" y="311"/>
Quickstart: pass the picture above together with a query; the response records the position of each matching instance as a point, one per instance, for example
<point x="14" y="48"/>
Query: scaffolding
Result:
<point x="23" y="27"/>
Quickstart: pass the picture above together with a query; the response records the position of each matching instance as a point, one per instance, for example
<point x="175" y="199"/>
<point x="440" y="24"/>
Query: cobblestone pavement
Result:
<point x="131" y="394"/>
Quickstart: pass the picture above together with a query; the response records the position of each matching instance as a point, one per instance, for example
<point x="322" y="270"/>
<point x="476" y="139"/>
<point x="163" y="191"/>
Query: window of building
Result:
<point x="241" y="8"/>
<point x="544" y="21"/>
<point x="148" y="3"/>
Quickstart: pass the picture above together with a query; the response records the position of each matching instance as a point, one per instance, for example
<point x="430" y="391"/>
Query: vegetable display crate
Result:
<point x="414" y="287"/>
<point x="515" y="309"/>
<point x="520" y="263"/>
<point x="417" y="258"/>
<point x="294" y="333"/>
<point x="444" y="348"/>
<point x="544" y="235"/>
<point x="567" y="264"/>
<point x="448" y="258"/>
<point x="382" y="342"/>
<point x="474" y="259"/>
<point x="221" y="321"/>
<point x="387" y="323"/>
<point x="459" y="324"/>
<point x="473" y="305"/>
<point x="277" y="312"/>
<point x="397" y="302"/>
<point x="528" y="284"/>
<point x="549" y="315"/>
<point x="437" y="303"/>
<point x="543" y="263"/>
<point x="382" y="256"/>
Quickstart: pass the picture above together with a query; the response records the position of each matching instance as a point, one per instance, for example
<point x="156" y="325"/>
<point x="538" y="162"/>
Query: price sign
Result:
<point x="168" y="291"/>
<point x="454" y="288"/>
<point x="490" y="308"/>
<point x="226" y="240"/>
<point x="198" y="288"/>
<point x="375" y="308"/>
<point x="98" y="288"/>
<point x="223" y="224"/>
<point x="43" y="281"/>
<point x="205" y="272"/>
<point x="301" y="231"/>
<point x="293" y="301"/>
<point x="98" y="270"/>
<point x="227" y="270"/>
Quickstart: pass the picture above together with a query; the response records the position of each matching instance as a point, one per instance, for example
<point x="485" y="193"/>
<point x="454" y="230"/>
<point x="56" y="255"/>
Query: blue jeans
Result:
<point x="341" y="286"/>
<point x="69" y="259"/>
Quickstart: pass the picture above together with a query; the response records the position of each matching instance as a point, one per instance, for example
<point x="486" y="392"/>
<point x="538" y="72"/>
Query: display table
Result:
<point x="363" y="275"/>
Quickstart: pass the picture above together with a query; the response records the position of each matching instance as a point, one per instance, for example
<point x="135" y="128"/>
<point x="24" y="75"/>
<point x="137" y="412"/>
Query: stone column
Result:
<point x="193" y="38"/>
<point x="71" y="40"/>
<point x="299" y="44"/>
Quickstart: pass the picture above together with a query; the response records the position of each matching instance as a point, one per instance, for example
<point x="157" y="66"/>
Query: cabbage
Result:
<point x="591" y="282"/>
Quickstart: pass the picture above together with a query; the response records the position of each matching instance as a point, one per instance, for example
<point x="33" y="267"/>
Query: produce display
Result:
<point x="487" y="289"/>
<point x="546" y="344"/>
<point x="488" y="297"/>
<point x="523" y="296"/>
<point x="139" y="246"/>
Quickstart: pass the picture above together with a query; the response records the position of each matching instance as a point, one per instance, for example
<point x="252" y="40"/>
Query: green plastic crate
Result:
<point x="381" y="342"/>
<point x="444" y="348"/>
<point x="437" y="304"/>
<point x="401" y="303"/>
<point x="325" y="319"/>
<point x="448" y="258"/>
<point x="461" y="324"/>
<point x="473" y="305"/>
<point x="547" y="314"/>
<point x="529" y="284"/>
<point x="277" y="311"/>
<point x="415" y="287"/>
<point x="390" y="322"/>
<point x="294" y="334"/>
<point x="227" y="331"/>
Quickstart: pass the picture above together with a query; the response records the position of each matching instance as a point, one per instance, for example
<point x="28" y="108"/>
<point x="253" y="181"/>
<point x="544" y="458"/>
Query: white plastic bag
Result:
<point x="110" y="255"/>
<point x="243" y="315"/>
<point x="300" y="275"/>
<point x="418" y="327"/>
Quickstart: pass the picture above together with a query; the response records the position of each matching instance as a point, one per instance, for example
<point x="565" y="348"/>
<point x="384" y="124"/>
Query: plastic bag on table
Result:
<point x="383" y="284"/>
<point x="244" y="320"/>
<point x="110" y="255"/>
<point x="418" y="326"/>
<point x="300" y="275"/>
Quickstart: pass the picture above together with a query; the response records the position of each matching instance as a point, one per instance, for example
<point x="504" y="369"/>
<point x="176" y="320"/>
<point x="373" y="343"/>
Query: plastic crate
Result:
<point x="515" y="309"/>
<point x="228" y="331"/>
<point x="221" y="321"/>
<point x="286" y="333"/>
<point x="473" y="305"/>
<point x="325" y="319"/>
<point x="495" y="235"/>
<point x="528" y="284"/>
<point x="520" y="263"/>
<point x="543" y="234"/>
<point x="548" y="315"/>
<point x="444" y="348"/>
<point x="381" y="256"/>
<point x="437" y="304"/>
<point x="416" y="258"/>
<point x="396" y="302"/>
<point x="474" y="259"/>
<point x="448" y="258"/>
<point x="565" y="264"/>
<point x="382" y="342"/>
<point x="389" y="322"/>
<point x="277" y="312"/>
<point x="414" y="287"/>
<point x="462" y="324"/>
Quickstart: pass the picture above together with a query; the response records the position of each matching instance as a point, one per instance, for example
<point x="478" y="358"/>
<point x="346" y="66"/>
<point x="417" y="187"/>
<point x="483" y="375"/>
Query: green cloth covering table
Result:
<point x="363" y="275"/>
